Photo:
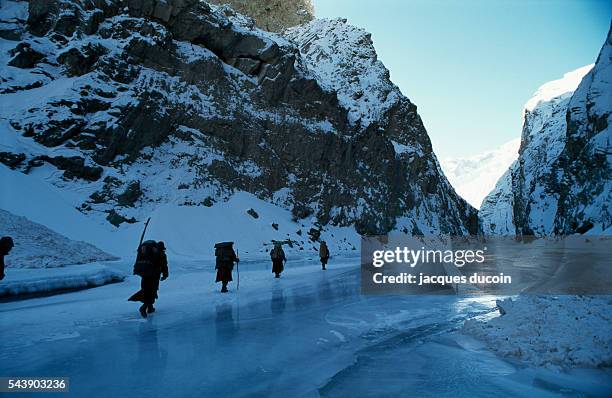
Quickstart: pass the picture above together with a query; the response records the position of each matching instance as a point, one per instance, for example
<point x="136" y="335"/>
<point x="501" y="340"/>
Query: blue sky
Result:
<point x="470" y="66"/>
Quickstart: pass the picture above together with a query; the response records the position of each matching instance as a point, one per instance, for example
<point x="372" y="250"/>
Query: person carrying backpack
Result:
<point x="6" y="244"/>
<point x="225" y="259"/>
<point x="278" y="259"/>
<point x="323" y="254"/>
<point x="152" y="266"/>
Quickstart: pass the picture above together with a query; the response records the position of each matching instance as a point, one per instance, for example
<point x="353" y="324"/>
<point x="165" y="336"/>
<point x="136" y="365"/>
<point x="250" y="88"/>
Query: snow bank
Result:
<point x="37" y="246"/>
<point x="50" y="280"/>
<point x="189" y="231"/>
<point x="565" y="331"/>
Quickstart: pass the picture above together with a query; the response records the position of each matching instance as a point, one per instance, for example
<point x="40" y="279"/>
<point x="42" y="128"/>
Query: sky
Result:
<point x="470" y="66"/>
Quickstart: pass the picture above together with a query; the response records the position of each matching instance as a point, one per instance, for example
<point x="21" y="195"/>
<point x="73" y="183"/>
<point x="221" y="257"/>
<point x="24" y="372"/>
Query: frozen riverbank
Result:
<point x="563" y="331"/>
<point x="27" y="282"/>
<point x="311" y="333"/>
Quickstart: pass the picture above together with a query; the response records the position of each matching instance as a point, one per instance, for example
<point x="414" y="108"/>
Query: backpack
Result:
<point x="324" y="251"/>
<point x="224" y="252"/>
<point x="147" y="258"/>
<point x="276" y="253"/>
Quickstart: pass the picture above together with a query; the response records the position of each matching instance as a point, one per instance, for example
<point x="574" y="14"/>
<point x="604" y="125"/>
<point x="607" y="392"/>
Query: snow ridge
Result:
<point x="343" y="59"/>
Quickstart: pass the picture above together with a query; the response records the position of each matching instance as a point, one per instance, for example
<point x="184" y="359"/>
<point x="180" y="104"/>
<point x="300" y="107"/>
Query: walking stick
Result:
<point x="238" y="271"/>
<point x="144" y="230"/>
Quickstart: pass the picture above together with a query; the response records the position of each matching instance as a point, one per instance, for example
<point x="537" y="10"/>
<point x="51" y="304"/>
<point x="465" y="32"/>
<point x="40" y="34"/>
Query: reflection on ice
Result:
<point x="308" y="333"/>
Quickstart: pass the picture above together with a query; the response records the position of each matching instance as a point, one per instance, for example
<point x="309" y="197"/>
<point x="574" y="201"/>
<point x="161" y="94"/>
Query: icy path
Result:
<point x="308" y="334"/>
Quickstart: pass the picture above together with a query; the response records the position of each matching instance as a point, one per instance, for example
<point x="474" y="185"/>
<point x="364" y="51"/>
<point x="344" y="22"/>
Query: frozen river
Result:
<point x="309" y="334"/>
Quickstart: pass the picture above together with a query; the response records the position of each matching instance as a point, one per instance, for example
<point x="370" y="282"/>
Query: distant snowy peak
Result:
<point x="557" y="88"/>
<point x="344" y="60"/>
<point x="475" y="176"/>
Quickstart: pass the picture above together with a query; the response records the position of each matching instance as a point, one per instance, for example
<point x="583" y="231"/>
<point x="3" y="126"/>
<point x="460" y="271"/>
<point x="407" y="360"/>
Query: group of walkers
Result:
<point x="278" y="257"/>
<point x="152" y="266"/>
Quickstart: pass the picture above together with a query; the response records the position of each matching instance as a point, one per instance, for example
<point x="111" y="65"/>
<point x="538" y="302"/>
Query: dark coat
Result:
<point x="277" y="263"/>
<point x="277" y="266"/>
<point x="6" y="244"/>
<point x="225" y="265"/>
<point x="163" y="264"/>
<point x="324" y="254"/>
<point x="148" y="290"/>
<point x="149" y="284"/>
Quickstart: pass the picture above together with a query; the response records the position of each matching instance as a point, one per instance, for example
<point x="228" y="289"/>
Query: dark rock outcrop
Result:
<point x="180" y="87"/>
<point x="24" y="56"/>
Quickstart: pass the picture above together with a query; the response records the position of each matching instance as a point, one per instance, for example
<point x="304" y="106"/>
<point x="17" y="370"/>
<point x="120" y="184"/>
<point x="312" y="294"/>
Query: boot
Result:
<point x="277" y="275"/>
<point x="224" y="288"/>
<point x="150" y="309"/>
<point x="143" y="310"/>
<point x="323" y="265"/>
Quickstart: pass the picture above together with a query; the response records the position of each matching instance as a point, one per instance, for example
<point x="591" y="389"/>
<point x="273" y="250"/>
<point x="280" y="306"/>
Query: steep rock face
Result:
<point x="273" y="15"/>
<point x="191" y="103"/>
<point x="584" y="202"/>
<point x="561" y="182"/>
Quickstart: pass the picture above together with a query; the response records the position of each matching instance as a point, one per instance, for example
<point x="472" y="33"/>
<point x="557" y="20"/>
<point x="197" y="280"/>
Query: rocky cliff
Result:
<point x="138" y="103"/>
<point x="561" y="182"/>
<point x="273" y="15"/>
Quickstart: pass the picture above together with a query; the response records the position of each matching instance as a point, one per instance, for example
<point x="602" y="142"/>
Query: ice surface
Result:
<point x="310" y="333"/>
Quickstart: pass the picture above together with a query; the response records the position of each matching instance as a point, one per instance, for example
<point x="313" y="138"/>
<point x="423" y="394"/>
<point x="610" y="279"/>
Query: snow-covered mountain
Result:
<point x="560" y="183"/>
<point x="129" y="107"/>
<point x="475" y="176"/>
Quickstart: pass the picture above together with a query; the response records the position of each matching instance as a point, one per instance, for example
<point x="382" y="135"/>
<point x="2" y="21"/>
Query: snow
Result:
<point x="564" y="331"/>
<point x="37" y="246"/>
<point x="343" y="59"/>
<point x="542" y="141"/>
<point x="19" y="282"/>
<point x="556" y="88"/>
<point x="263" y="339"/>
<point x="475" y="176"/>
<point x="497" y="210"/>
<point x="188" y="231"/>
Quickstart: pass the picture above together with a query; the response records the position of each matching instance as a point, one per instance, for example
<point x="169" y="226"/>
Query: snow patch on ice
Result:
<point x="51" y="280"/>
<point x="565" y="331"/>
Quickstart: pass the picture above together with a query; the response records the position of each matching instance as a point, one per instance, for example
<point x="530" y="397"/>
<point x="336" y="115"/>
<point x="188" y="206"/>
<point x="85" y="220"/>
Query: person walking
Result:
<point x="152" y="266"/>
<point x="323" y="254"/>
<point x="225" y="259"/>
<point x="278" y="259"/>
